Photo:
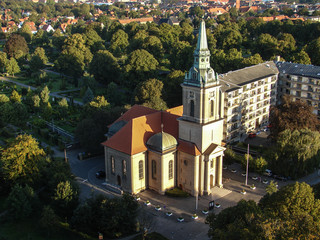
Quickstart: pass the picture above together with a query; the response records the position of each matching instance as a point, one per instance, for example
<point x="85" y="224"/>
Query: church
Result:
<point x="180" y="147"/>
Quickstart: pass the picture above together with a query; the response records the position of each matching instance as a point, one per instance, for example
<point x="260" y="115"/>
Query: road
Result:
<point x="190" y="229"/>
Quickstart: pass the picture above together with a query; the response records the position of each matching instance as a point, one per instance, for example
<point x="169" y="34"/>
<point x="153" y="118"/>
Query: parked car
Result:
<point x="282" y="178"/>
<point x="252" y="135"/>
<point x="100" y="174"/>
<point x="267" y="172"/>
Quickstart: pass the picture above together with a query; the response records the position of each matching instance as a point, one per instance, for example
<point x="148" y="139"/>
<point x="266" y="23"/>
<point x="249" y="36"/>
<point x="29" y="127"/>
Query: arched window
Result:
<point x="124" y="167"/>
<point x="154" y="169"/>
<point x="140" y="169"/>
<point x="211" y="108"/>
<point x="192" y="108"/>
<point x="112" y="165"/>
<point x="170" y="169"/>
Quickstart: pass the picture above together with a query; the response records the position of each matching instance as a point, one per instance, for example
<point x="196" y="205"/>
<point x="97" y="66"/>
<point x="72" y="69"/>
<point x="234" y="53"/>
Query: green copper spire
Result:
<point x="201" y="74"/>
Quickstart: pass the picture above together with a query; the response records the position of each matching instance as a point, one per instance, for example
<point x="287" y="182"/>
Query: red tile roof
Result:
<point x="143" y="123"/>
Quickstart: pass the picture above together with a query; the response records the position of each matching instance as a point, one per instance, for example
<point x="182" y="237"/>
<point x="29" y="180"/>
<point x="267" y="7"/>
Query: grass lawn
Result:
<point x="29" y="229"/>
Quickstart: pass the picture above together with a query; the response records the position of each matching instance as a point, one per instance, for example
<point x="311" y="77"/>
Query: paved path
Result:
<point x="52" y="94"/>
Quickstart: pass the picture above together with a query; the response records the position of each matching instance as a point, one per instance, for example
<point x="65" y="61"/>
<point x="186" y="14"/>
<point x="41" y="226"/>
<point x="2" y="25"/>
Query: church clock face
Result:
<point x="202" y="59"/>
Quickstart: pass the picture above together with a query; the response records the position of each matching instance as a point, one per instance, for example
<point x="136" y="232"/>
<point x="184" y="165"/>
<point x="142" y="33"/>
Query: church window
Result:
<point x="140" y="169"/>
<point x="154" y="169"/>
<point x="191" y="94"/>
<point x="211" y="108"/>
<point x="185" y="162"/>
<point x="194" y="76"/>
<point x="192" y="108"/>
<point x="202" y="59"/>
<point x="170" y="169"/>
<point x="210" y="75"/>
<point x="211" y="163"/>
<point x="207" y="59"/>
<point x="124" y="167"/>
<point x="112" y="165"/>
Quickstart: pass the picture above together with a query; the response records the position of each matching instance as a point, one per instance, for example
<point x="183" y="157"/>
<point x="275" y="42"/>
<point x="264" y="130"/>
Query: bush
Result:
<point x="177" y="192"/>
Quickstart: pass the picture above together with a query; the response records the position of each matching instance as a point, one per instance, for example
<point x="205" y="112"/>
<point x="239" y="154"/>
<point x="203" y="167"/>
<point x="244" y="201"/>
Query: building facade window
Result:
<point x="124" y="167"/>
<point x="170" y="169"/>
<point x="211" y="107"/>
<point x="112" y="165"/>
<point x="192" y="108"/>
<point x="140" y="169"/>
<point x="154" y="169"/>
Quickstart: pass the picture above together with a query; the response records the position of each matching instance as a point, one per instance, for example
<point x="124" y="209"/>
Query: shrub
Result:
<point x="176" y="192"/>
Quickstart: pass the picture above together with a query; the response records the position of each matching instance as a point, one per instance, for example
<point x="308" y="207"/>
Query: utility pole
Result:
<point x="247" y="172"/>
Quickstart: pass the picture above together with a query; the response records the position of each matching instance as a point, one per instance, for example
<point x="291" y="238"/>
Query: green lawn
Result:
<point x="29" y="229"/>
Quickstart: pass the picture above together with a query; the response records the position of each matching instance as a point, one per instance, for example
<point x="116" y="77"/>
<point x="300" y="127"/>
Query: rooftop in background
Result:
<point x="235" y="79"/>
<point x="298" y="69"/>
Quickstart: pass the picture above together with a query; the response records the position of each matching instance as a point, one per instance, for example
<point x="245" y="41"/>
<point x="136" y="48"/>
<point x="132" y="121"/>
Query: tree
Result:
<point x="20" y="201"/>
<point x="115" y="95"/>
<point x="74" y="56"/>
<point x="172" y="89"/>
<point x="12" y="66"/>
<point x="21" y="160"/>
<point x="25" y="32"/>
<point x="15" y="97"/>
<point x="297" y="153"/>
<point x="40" y="52"/>
<point x="45" y="95"/>
<point x="66" y="198"/>
<point x="88" y="96"/>
<point x="302" y="57"/>
<point x="113" y="217"/>
<point x="252" y="60"/>
<point x="99" y="102"/>
<point x="149" y="94"/>
<point x="267" y="46"/>
<point x="119" y="43"/>
<point x="313" y="50"/>
<point x="93" y="40"/>
<point x="153" y="45"/>
<point x="292" y="115"/>
<point x="181" y="56"/>
<point x="49" y="220"/>
<point x="16" y="47"/>
<point x="104" y="67"/>
<point x="140" y="66"/>
<point x="4" y="98"/>
<point x="272" y="187"/>
<point x="3" y="61"/>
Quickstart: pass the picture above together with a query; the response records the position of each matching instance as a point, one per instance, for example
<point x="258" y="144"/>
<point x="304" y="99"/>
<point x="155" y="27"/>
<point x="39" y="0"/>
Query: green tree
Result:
<point x="140" y="66"/>
<point x="115" y="95"/>
<point x="153" y="45"/>
<point x="21" y="160"/>
<point x="267" y="46"/>
<point x="36" y="101"/>
<point x="252" y="60"/>
<point x="88" y="96"/>
<point x="302" y="57"/>
<point x="15" y="96"/>
<point x="21" y="201"/>
<point x="149" y="94"/>
<point x="66" y="198"/>
<point x="104" y="67"/>
<point x="93" y="40"/>
<point x="181" y="56"/>
<point x="49" y="221"/>
<point x="25" y="32"/>
<point x="4" y="98"/>
<point x="313" y="50"/>
<point x="138" y="40"/>
<point x="272" y="187"/>
<point x="16" y="47"/>
<point x="12" y="66"/>
<point x="3" y="61"/>
<point x="99" y="102"/>
<point x="297" y="152"/>
<point x="45" y="95"/>
<point x="172" y="89"/>
<point x="119" y="43"/>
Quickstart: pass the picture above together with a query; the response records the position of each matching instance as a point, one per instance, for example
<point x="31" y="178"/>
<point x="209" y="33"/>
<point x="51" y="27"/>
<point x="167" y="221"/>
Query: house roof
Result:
<point x="143" y="123"/>
<point x="235" y="79"/>
<point x="298" y="69"/>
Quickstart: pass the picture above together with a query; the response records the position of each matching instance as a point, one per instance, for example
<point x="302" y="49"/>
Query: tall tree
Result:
<point x="12" y="66"/>
<point x="21" y="159"/>
<point x="3" y="61"/>
<point x="292" y="115"/>
<point x="119" y="43"/>
<point x="16" y="46"/>
<point x="104" y="67"/>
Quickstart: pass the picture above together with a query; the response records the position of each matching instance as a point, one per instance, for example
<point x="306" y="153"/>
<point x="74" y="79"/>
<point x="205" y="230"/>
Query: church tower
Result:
<point x="202" y="120"/>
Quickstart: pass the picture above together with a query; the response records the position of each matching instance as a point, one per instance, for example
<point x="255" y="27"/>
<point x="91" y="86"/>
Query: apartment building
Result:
<point x="300" y="81"/>
<point x="248" y="95"/>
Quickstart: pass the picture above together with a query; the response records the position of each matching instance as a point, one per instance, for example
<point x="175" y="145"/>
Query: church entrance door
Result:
<point x="119" y="180"/>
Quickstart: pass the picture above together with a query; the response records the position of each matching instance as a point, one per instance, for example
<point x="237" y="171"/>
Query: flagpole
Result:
<point x="247" y="166"/>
